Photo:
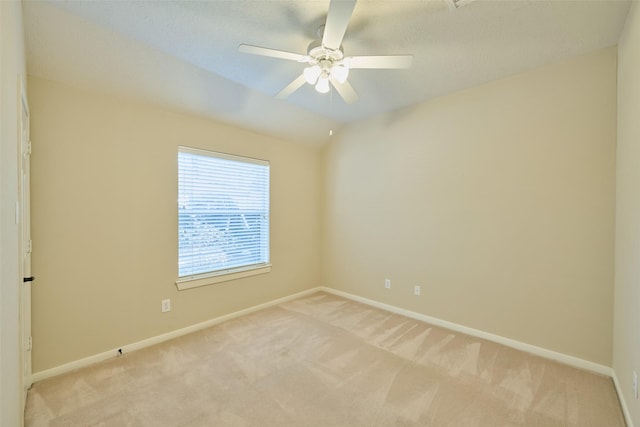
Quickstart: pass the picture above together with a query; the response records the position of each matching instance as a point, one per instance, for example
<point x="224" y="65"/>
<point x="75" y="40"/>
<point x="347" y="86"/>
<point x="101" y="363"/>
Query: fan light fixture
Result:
<point x="311" y="74"/>
<point x="340" y="73"/>
<point x="319" y="74"/>
<point x="323" y="84"/>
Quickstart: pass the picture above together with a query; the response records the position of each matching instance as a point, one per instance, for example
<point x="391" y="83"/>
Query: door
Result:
<point x="24" y="227"/>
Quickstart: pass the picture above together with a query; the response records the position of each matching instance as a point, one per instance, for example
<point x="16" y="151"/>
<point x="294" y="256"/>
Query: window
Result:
<point x="223" y="217"/>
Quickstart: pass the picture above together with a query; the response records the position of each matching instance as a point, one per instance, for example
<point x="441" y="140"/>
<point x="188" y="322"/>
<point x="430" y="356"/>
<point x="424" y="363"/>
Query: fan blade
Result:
<point x="337" y="20"/>
<point x="291" y="87"/>
<point x="274" y="53"/>
<point x="389" y="62"/>
<point x="345" y="90"/>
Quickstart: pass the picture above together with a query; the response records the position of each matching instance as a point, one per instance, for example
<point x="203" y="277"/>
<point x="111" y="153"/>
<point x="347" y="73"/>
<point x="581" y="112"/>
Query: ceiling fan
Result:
<point x="326" y="64"/>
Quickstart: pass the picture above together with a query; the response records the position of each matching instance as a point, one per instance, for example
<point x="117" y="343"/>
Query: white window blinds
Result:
<point x="223" y="213"/>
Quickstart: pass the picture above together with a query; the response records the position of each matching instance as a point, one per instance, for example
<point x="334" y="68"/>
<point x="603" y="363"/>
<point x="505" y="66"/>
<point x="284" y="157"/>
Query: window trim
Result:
<point x="206" y="279"/>
<point x="219" y="155"/>
<point x="213" y="277"/>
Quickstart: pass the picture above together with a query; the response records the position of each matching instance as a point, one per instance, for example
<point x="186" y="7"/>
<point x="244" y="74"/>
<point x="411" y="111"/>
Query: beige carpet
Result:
<point x="325" y="361"/>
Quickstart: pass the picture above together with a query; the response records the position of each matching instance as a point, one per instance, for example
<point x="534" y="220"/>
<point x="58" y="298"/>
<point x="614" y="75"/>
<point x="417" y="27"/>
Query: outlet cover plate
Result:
<point x="166" y="305"/>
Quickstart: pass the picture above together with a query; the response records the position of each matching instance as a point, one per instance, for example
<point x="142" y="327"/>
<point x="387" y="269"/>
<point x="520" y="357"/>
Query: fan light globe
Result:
<point x="340" y="73"/>
<point x="311" y="74"/>
<point x="323" y="85"/>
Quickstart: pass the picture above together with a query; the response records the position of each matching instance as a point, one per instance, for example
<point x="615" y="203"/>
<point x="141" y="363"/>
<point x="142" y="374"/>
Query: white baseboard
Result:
<point x="539" y="351"/>
<point x="623" y="403"/>
<point x="110" y="354"/>
<point x="518" y="345"/>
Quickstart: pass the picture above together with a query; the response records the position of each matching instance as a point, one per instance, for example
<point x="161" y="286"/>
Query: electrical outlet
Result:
<point x="387" y="283"/>
<point x="416" y="290"/>
<point x="635" y="384"/>
<point x="166" y="305"/>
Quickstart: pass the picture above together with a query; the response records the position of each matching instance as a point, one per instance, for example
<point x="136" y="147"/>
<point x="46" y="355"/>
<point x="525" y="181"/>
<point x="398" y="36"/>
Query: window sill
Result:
<point x="221" y="276"/>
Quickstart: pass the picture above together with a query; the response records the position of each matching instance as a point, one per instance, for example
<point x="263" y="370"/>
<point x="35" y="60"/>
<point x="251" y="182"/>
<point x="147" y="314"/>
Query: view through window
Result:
<point x="223" y="213"/>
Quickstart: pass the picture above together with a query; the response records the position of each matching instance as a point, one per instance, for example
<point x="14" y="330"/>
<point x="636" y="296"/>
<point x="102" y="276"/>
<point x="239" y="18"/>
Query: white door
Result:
<point x="24" y="217"/>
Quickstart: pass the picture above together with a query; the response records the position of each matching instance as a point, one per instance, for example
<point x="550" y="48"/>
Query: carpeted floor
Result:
<point x="326" y="361"/>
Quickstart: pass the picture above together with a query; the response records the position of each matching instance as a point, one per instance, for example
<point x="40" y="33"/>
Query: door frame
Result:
<point x="23" y="216"/>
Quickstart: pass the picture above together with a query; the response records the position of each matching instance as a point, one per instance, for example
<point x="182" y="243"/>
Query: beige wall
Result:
<point x="498" y="201"/>
<point x="12" y="66"/>
<point x="626" y="337"/>
<point x="104" y="191"/>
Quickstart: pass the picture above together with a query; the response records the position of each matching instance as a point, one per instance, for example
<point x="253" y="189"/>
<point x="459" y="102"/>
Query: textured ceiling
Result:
<point x="183" y="54"/>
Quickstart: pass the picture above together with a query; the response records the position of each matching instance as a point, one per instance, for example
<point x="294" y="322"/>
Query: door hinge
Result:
<point x="30" y="344"/>
<point x="27" y="148"/>
<point x="29" y="248"/>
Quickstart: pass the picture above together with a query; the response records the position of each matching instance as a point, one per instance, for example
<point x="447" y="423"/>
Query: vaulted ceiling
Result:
<point x="184" y="54"/>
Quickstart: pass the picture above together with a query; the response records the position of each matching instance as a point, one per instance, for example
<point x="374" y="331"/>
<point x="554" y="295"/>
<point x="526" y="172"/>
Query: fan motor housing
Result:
<point x="319" y="53"/>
